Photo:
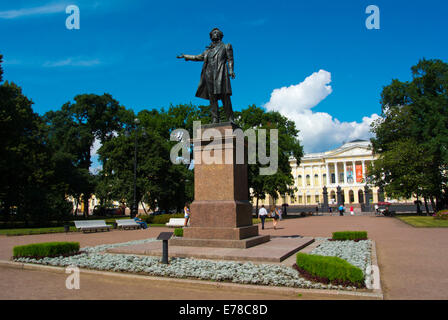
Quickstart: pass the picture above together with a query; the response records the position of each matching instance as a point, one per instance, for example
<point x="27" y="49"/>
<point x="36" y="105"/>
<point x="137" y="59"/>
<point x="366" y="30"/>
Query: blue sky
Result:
<point x="129" y="48"/>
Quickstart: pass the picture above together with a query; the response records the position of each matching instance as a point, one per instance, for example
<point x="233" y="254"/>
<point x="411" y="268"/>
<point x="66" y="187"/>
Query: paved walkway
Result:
<point x="413" y="263"/>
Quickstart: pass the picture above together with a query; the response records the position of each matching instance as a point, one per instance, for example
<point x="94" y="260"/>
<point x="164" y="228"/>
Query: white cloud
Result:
<point x="72" y="62"/>
<point x="319" y="131"/>
<point x="96" y="165"/>
<point x="45" y="9"/>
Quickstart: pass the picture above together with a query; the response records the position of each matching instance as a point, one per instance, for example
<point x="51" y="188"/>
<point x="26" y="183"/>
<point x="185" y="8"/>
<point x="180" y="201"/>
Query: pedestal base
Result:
<point x="220" y="243"/>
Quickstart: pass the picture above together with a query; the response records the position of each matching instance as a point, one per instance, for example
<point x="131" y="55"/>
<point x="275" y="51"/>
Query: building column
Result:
<point x="320" y="176"/>
<point x="363" y="170"/>
<point x="303" y="178"/>
<point x="336" y="173"/>
<point x="312" y="177"/>
<point x="345" y="172"/>
<point x="328" y="174"/>
<point x="353" y="172"/>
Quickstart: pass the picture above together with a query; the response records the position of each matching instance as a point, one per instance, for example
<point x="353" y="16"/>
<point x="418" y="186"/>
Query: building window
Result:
<point x="316" y="180"/>
<point x="300" y="199"/>
<point x="351" y="196"/>
<point x="324" y="179"/>
<point x="308" y="180"/>
<point x="316" y="198"/>
<point x="333" y="178"/>
<point x="299" y="180"/>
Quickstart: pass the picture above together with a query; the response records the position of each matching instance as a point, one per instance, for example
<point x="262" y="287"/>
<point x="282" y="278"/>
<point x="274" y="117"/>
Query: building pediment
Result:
<point x="350" y="152"/>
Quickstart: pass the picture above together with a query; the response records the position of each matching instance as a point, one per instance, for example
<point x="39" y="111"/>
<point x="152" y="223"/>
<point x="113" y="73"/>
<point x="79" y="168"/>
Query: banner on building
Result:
<point x="359" y="178"/>
<point x="350" y="174"/>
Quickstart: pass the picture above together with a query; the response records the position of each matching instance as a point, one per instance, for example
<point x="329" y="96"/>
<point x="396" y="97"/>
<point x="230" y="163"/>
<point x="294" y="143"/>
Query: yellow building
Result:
<point x="344" y="167"/>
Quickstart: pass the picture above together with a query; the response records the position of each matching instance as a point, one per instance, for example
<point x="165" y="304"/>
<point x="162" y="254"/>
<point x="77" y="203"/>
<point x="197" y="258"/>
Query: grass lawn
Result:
<point x="424" y="222"/>
<point x="22" y="231"/>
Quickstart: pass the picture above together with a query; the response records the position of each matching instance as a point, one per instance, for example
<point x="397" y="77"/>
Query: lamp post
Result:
<point x="134" y="207"/>
<point x="134" y="210"/>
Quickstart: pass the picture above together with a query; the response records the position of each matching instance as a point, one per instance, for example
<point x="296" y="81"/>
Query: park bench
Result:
<point x="175" y="222"/>
<point x="91" y="225"/>
<point x="127" y="224"/>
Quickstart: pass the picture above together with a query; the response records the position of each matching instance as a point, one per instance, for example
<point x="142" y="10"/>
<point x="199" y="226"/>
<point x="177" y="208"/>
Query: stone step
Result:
<point x="276" y="250"/>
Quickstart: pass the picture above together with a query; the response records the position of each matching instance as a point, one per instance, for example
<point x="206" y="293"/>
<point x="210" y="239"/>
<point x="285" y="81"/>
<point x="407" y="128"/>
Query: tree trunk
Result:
<point x="419" y="212"/>
<point x="143" y="206"/>
<point x="77" y="204"/>
<point x="426" y="206"/>
<point x="434" y="207"/>
<point x="256" y="208"/>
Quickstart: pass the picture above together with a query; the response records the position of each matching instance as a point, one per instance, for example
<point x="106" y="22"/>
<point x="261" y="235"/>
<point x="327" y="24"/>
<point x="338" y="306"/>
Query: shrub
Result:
<point x="46" y="249"/>
<point x="350" y="235"/>
<point x="179" y="232"/>
<point x="161" y="219"/>
<point x="442" y="214"/>
<point x="329" y="269"/>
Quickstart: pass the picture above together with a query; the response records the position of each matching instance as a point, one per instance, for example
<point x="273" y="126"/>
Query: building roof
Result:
<point x="346" y="146"/>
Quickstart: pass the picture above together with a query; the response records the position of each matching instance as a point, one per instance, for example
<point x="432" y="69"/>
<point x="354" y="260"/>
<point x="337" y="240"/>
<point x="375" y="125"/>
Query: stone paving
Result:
<point x="413" y="262"/>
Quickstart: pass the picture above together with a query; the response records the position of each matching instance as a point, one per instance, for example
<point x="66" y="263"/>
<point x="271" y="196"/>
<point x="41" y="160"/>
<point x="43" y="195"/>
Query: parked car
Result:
<point x="108" y="211"/>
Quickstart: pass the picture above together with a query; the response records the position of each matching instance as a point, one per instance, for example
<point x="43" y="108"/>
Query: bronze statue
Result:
<point x="218" y="66"/>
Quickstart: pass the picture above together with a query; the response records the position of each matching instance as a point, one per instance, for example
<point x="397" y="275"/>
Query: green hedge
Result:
<point x="179" y="232"/>
<point x="331" y="268"/>
<point x="350" y="235"/>
<point x="46" y="249"/>
<point x="161" y="219"/>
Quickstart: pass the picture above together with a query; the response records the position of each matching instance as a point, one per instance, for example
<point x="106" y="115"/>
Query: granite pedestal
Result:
<point x="221" y="214"/>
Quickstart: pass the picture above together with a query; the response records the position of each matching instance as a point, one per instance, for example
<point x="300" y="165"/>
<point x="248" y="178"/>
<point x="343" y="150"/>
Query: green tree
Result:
<point x="288" y="146"/>
<point x="74" y="129"/>
<point x="411" y="138"/>
<point x="1" y="70"/>
<point x="29" y="185"/>
<point x="159" y="183"/>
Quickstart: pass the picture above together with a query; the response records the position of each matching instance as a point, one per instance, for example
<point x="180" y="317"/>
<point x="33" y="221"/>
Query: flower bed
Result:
<point x="442" y="214"/>
<point x="229" y="271"/>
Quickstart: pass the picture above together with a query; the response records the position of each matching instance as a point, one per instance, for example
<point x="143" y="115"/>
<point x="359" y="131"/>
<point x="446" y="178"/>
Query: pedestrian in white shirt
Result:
<point x="262" y="214"/>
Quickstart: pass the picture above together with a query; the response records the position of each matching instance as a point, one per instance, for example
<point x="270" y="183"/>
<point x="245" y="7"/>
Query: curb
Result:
<point x="376" y="272"/>
<point x="196" y="283"/>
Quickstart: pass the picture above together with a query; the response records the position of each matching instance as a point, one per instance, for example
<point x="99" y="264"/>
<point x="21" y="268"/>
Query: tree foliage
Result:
<point x="412" y="135"/>
<point x="1" y="70"/>
<point x="73" y="131"/>
<point x="29" y="185"/>
<point x="288" y="145"/>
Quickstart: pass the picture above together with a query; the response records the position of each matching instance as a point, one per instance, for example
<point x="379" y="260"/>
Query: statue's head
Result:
<point x="216" y="34"/>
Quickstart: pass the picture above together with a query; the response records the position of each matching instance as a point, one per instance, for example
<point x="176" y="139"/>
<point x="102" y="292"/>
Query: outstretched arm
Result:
<point x="188" y="57"/>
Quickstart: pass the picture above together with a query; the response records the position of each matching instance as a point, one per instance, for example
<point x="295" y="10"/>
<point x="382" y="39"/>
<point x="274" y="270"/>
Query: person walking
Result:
<point x="280" y="213"/>
<point x="262" y="213"/>
<point x="352" y="211"/>
<point x="376" y="208"/>
<point x="341" y="210"/>
<point x="186" y="214"/>
<point x="274" y="216"/>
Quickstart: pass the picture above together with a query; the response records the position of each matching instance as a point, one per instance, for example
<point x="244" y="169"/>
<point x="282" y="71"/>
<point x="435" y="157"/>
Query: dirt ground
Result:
<point x="413" y="264"/>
